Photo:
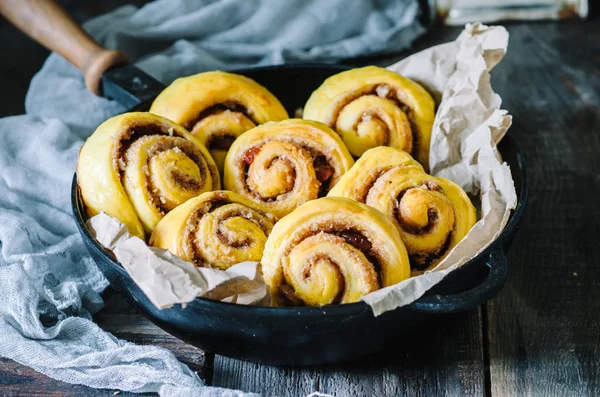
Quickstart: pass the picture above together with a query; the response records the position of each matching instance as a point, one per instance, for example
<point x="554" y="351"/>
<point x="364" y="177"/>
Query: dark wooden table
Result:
<point x="539" y="337"/>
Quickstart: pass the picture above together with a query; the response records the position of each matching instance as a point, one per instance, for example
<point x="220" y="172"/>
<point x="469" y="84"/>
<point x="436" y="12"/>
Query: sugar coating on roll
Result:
<point x="216" y="229"/>
<point x="373" y="106"/>
<point x="330" y="251"/>
<point x="282" y="165"/>
<point x="138" y="166"/>
<point x="432" y="214"/>
<point x="217" y="107"/>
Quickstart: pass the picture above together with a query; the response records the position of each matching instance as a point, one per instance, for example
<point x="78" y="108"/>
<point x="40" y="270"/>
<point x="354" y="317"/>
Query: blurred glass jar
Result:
<point x="459" y="12"/>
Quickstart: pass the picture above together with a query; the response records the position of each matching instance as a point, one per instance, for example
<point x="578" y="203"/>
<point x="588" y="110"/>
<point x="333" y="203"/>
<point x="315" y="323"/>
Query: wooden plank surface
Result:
<point x="544" y="328"/>
<point x="444" y="360"/>
<point x="19" y="380"/>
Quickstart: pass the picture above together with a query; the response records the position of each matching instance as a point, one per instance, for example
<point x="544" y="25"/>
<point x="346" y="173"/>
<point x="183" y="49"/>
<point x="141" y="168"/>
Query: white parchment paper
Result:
<point x="468" y="125"/>
<point x="167" y="279"/>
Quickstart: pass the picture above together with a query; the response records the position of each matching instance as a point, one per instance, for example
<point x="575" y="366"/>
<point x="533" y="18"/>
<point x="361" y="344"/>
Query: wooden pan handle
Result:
<point x="49" y="24"/>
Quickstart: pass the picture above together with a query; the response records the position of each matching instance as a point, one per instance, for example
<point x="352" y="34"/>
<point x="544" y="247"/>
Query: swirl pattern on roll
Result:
<point x="217" y="107"/>
<point x="282" y="165"/>
<point x="138" y="166"/>
<point x="432" y="214"/>
<point x="216" y="229"/>
<point x="332" y="250"/>
<point x="372" y="107"/>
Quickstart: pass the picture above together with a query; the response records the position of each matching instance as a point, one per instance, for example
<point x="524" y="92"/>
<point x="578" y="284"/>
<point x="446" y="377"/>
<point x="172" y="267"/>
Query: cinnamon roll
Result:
<point x="432" y="214"/>
<point x="217" y="107"/>
<point x="216" y="229"/>
<point x="372" y="106"/>
<point x="282" y="165"/>
<point x="138" y="166"/>
<point x="332" y="250"/>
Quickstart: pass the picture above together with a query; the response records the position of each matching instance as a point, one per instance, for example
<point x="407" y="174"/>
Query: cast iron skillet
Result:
<point x="315" y="335"/>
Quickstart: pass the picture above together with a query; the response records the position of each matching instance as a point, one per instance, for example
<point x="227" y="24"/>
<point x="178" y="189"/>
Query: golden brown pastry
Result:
<point x="217" y="107"/>
<point x="332" y="250"/>
<point x="216" y="229"/>
<point x="432" y="214"/>
<point x="138" y="166"/>
<point x="372" y="106"/>
<point x="284" y="164"/>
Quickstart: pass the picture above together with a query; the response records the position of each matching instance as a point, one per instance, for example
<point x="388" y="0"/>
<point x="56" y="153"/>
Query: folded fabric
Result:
<point x="49" y="285"/>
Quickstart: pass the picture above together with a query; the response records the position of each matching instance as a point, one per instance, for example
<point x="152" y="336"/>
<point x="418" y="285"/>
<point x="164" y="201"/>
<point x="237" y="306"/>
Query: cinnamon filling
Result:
<point x="288" y="297"/>
<point x="323" y="170"/>
<point x="218" y="108"/>
<point x="251" y="154"/>
<point x="387" y="92"/>
<point x="220" y="142"/>
<point x="155" y="142"/>
<point x="368" y="185"/>
<point x="192" y="224"/>
<point x="356" y="239"/>
<point x="190" y="234"/>
<point x="125" y="139"/>
<point x="185" y="181"/>
<point x="432" y="215"/>
<point x="181" y="179"/>
<point x="422" y="262"/>
<point x="217" y="204"/>
<point x="222" y="237"/>
<point x="324" y="173"/>
<point x="235" y="244"/>
<point x="361" y="243"/>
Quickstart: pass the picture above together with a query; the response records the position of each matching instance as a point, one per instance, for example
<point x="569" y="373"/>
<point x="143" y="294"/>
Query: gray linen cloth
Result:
<point x="49" y="286"/>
